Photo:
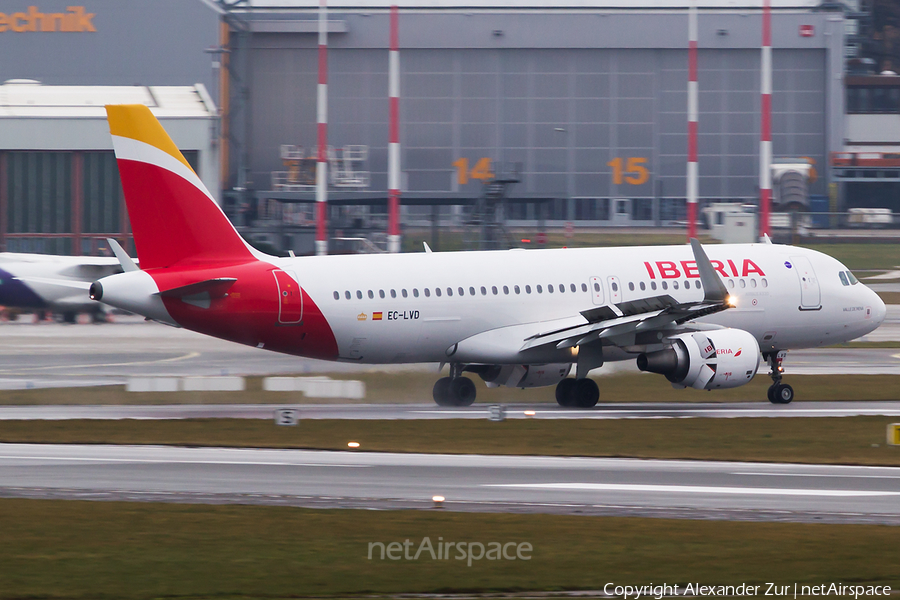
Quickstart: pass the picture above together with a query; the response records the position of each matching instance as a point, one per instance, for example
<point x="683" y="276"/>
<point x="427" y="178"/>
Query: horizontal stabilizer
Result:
<point x="216" y="288"/>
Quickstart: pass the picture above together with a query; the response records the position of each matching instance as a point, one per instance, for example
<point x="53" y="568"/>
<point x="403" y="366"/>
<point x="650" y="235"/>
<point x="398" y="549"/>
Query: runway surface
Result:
<point x="56" y="355"/>
<point x="683" y="489"/>
<point x="431" y="411"/>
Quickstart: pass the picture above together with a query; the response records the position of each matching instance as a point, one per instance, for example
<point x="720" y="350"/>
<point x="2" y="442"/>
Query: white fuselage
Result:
<point x="785" y="296"/>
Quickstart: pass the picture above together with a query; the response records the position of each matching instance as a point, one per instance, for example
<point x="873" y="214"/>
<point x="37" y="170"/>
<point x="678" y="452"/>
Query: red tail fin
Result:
<point x="173" y="216"/>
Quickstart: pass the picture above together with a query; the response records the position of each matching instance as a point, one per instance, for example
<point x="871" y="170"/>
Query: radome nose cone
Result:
<point x="879" y="309"/>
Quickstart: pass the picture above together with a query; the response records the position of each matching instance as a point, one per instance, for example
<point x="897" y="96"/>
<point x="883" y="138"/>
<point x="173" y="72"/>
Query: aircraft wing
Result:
<point x="645" y="315"/>
<point x="642" y="315"/>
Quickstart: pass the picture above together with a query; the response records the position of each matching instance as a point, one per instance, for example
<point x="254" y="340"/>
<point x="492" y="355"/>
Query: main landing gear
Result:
<point x="577" y="393"/>
<point x="779" y="393"/>
<point x="455" y="390"/>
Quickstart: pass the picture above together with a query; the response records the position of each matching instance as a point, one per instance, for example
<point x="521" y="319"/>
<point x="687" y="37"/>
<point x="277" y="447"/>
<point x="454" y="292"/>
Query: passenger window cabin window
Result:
<point x="337" y="296"/>
<point x="596" y="287"/>
<point x="471" y="291"/>
<point x="653" y="285"/>
<point x="697" y="284"/>
<point x="393" y="293"/>
<point x="550" y="289"/>
<point x="643" y="286"/>
<point x="381" y="293"/>
<point x="527" y="289"/>
<point x="359" y="294"/>
<point x="437" y="292"/>
<point x="371" y="294"/>
<point x="631" y="286"/>
<point x="687" y="284"/>
<point x="615" y="286"/>
<point x="347" y="294"/>
<point x="516" y="289"/>
<point x="753" y="283"/>
<point x="539" y="289"/>
<point x="403" y="293"/>
<point x="583" y="287"/>
<point x="665" y="286"/>
<point x="461" y="291"/>
<point x="674" y="285"/>
<point x="742" y="283"/>
<point x="572" y="288"/>
<point x="449" y="291"/>
<point x="494" y="289"/>
<point x="506" y="290"/>
<point x="731" y="284"/>
<point x="764" y="282"/>
<point x="483" y="291"/>
<point x="562" y="288"/>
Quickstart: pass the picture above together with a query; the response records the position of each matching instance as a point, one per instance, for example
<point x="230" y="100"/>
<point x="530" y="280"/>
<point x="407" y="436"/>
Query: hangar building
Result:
<point x="582" y="102"/>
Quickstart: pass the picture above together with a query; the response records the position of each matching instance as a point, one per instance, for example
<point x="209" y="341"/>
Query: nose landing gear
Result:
<point x="779" y="393"/>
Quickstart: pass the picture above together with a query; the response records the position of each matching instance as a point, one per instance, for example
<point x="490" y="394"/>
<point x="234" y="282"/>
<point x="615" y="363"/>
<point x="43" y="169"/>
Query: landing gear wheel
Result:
<point x="782" y="393"/>
<point x="771" y="394"/>
<point x="564" y="395"/>
<point x="585" y="393"/>
<point x="462" y="391"/>
<point x="441" y="391"/>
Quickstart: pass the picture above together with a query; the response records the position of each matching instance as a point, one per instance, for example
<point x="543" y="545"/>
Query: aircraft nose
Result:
<point x="879" y="311"/>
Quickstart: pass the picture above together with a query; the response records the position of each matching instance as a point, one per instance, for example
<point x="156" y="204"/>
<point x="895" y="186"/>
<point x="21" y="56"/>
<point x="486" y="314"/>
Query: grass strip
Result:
<point x="77" y="550"/>
<point x="848" y="440"/>
<point x="415" y="386"/>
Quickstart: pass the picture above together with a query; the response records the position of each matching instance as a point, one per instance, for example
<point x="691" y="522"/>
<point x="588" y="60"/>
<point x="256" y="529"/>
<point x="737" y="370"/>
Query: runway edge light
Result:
<point x="893" y="434"/>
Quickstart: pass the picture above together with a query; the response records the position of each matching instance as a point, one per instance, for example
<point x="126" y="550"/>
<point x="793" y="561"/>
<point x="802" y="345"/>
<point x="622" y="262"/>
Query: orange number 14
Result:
<point x="481" y="170"/>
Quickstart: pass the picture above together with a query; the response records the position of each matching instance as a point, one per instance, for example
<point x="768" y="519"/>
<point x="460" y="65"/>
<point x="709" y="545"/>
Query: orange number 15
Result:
<point x="639" y="173"/>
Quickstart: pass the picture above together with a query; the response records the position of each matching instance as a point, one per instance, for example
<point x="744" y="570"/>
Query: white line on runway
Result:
<point x="692" y="489"/>
<point x="818" y="475"/>
<point x="183" y="462"/>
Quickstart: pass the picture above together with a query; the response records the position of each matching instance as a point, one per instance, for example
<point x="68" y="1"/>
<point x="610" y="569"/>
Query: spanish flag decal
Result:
<point x="376" y="316"/>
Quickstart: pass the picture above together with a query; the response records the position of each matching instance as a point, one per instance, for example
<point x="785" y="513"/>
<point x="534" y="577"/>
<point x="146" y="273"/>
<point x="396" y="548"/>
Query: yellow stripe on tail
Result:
<point x="135" y="121"/>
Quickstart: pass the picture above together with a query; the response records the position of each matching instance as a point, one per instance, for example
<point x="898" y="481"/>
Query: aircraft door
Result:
<point x="810" y="296"/>
<point x="615" y="290"/>
<point x="290" y="298"/>
<point x="597" y="291"/>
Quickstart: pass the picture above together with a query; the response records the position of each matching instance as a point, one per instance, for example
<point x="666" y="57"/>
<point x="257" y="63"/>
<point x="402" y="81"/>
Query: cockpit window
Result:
<point x="843" y="277"/>
<point x="853" y="280"/>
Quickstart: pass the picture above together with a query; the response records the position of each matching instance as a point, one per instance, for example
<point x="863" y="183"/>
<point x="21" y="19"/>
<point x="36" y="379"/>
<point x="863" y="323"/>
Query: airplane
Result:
<point x="56" y="284"/>
<point x="517" y="318"/>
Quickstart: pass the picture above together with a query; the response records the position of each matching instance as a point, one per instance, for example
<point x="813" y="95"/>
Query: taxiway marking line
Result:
<point x="692" y="489"/>
<point x="187" y="356"/>
<point x="180" y="462"/>
<point x="817" y="475"/>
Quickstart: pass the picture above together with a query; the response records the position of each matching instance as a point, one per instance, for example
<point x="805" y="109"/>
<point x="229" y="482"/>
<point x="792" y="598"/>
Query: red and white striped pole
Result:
<point x="322" y="114"/>
<point x="693" y="115"/>
<point x="765" y="134"/>
<point x="394" y="142"/>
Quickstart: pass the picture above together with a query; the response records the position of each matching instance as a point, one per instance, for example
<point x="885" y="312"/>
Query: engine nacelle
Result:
<point x="723" y="358"/>
<point x="522" y="376"/>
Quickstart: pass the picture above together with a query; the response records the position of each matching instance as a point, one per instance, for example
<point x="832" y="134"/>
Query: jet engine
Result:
<point x="723" y="358"/>
<point x="521" y="376"/>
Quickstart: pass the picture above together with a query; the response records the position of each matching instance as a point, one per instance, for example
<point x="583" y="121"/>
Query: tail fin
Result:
<point x="173" y="216"/>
